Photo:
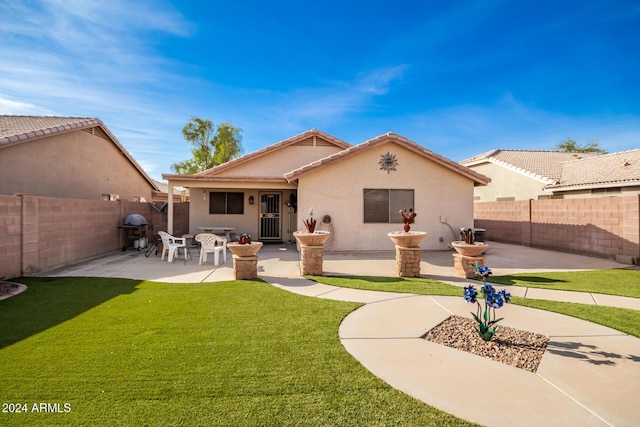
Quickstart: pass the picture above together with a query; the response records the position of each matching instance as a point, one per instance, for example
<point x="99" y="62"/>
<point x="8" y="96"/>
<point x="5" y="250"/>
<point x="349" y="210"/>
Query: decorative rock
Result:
<point x="464" y="266"/>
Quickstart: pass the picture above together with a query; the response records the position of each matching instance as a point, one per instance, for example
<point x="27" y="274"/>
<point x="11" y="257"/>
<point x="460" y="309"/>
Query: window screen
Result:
<point x="399" y="199"/>
<point x="226" y="203"/>
<point x="235" y="203"/>
<point x="217" y="203"/>
<point x="382" y="205"/>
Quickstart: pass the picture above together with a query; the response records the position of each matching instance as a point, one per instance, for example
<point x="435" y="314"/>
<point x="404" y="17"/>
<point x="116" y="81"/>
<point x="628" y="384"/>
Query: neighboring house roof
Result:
<point x="478" y="178"/>
<point x="20" y="129"/>
<point x="544" y="166"/>
<point x="164" y="188"/>
<point x="607" y="170"/>
<point x="211" y="174"/>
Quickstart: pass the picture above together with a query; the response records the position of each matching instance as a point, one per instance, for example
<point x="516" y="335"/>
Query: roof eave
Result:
<point x="591" y="186"/>
<point x="185" y="178"/>
<point x="476" y="177"/>
<point x="271" y="148"/>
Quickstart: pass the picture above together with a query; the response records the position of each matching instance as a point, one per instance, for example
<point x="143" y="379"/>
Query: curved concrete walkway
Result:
<point x="589" y="375"/>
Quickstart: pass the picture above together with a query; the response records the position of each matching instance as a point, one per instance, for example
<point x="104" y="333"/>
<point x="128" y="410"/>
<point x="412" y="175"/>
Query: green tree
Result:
<point x="210" y="147"/>
<point x="571" y="146"/>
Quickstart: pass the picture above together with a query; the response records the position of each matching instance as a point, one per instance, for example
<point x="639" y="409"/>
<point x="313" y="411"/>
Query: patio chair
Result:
<point x="211" y="243"/>
<point x="171" y="245"/>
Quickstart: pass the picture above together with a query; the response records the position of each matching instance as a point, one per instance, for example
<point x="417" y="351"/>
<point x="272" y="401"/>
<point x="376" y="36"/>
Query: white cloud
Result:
<point x="312" y="107"/>
<point x="8" y="106"/>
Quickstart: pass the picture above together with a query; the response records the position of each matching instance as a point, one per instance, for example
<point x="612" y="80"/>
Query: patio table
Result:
<point x="226" y="230"/>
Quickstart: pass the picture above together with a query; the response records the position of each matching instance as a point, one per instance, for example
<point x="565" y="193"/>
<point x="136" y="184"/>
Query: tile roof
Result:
<point x="545" y="166"/>
<point x="615" y="169"/>
<point x="19" y="129"/>
<point x="450" y="164"/>
<point x="274" y="147"/>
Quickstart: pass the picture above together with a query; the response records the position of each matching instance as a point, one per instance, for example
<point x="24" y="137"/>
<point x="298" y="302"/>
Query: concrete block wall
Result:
<point x="10" y="236"/>
<point x="508" y="222"/>
<point x="607" y="227"/>
<point x="41" y="233"/>
<point x="67" y="230"/>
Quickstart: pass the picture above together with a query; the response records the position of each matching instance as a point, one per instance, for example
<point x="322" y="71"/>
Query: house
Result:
<point x="520" y="174"/>
<point x="68" y="157"/>
<point x="615" y="174"/>
<point x="354" y="191"/>
<point x="524" y="175"/>
<point x="179" y="195"/>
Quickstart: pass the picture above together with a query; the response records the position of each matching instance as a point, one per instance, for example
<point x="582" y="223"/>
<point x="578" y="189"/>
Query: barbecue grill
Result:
<point x="135" y="228"/>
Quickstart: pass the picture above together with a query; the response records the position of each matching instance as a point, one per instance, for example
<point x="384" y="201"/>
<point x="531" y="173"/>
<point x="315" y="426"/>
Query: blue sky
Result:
<point x="458" y="77"/>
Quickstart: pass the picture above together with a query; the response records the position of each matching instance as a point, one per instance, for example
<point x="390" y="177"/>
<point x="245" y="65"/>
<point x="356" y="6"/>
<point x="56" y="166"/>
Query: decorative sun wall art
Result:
<point x="388" y="162"/>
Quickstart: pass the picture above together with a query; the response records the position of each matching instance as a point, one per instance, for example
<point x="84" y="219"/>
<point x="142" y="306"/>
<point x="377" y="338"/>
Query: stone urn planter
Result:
<point x="317" y="238"/>
<point x="469" y="249"/>
<point x="244" y="250"/>
<point x="245" y="259"/>
<point x="408" y="251"/>
<point x="407" y="239"/>
<point x="311" y="251"/>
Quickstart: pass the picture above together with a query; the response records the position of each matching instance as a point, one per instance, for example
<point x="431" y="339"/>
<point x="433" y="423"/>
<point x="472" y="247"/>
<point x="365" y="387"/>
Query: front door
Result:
<point x="270" y="216"/>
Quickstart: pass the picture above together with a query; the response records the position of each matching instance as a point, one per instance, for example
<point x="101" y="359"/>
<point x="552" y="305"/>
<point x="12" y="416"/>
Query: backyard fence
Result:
<point x="41" y="233"/>
<point x="605" y="227"/>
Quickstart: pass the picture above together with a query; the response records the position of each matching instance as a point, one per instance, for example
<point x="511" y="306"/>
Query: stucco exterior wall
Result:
<point x="282" y="161"/>
<point x="337" y="190"/>
<point x="70" y="165"/>
<point x="248" y="222"/>
<point x="507" y="183"/>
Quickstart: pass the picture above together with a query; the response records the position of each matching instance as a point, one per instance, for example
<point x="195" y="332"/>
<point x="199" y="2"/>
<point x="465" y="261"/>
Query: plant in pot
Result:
<point x="467" y="236"/>
<point x="311" y="222"/>
<point x="407" y="218"/>
<point x="244" y="239"/>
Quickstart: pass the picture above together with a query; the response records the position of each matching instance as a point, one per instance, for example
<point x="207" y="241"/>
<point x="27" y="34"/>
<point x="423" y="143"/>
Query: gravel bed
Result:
<point x="510" y="346"/>
<point x="6" y="287"/>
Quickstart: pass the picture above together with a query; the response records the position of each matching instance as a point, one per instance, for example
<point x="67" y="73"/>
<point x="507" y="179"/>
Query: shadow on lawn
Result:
<point x="51" y="301"/>
<point x="524" y="280"/>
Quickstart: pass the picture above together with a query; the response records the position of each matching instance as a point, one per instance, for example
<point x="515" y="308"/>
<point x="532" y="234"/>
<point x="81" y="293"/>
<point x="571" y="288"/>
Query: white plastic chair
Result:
<point x="208" y="244"/>
<point x="172" y="245"/>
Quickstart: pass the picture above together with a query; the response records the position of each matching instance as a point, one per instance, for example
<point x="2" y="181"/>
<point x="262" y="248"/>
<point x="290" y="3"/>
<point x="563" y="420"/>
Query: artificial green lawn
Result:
<point x="124" y="352"/>
<point x="620" y="282"/>
<point x="622" y="319"/>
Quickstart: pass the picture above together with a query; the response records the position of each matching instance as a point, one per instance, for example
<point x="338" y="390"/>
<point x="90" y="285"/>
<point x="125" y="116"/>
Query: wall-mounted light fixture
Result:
<point x="250" y="200"/>
<point x="204" y="195"/>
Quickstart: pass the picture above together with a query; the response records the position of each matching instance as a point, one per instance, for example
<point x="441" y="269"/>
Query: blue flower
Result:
<point x="487" y="288"/>
<point x="505" y="295"/>
<point x="483" y="271"/>
<point x="494" y="300"/>
<point x="470" y="294"/>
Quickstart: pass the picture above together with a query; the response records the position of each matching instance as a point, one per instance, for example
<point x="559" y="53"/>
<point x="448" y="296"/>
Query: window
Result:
<point x="551" y="196"/>
<point x="610" y="190"/>
<point x="382" y="205"/>
<point x="226" y="203"/>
